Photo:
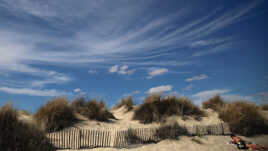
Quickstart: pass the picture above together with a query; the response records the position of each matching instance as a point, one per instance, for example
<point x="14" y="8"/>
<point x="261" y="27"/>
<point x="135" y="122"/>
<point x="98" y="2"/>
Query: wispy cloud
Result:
<point x="105" y="41"/>
<point x="114" y="69"/>
<point x="211" y="42"/>
<point x="160" y="89"/>
<point x="53" y="78"/>
<point x="33" y="92"/>
<point x="197" y="78"/>
<point x="67" y="11"/>
<point x="214" y="49"/>
<point x="87" y="33"/>
<point x="124" y="70"/>
<point x="157" y="72"/>
<point x="121" y="70"/>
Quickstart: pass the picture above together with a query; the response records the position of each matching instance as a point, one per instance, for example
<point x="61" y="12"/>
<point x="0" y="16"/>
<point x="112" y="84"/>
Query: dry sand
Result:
<point x="184" y="143"/>
<point x="125" y="120"/>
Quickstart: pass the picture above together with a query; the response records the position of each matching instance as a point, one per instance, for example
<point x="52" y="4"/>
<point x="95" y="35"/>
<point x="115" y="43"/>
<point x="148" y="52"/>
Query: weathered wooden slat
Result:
<point x="75" y="139"/>
<point x="89" y="138"/>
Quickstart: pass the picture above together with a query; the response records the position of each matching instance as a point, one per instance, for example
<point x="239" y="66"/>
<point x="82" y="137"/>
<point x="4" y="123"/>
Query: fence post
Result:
<point x="112" y="140"/>
<point x="222" y="128"/>
<point x="79" y="139"/>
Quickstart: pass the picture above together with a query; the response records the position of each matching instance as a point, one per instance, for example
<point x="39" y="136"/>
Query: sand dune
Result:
<point x="125" y="120"/>
<point x="204" y="143"/>
<point x="184" y="143"/>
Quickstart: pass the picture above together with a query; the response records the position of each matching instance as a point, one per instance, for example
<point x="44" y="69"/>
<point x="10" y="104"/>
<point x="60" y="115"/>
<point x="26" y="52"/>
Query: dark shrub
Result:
<point x="128" y="103"/>
<point x="55" y="115"/>
<point x="16" y="135"/>
<point x="93" y="109"/>
<point x="171" y="131"/>
<point x="264" y="107"/>
<point x="157" y="110"/>
<point x="152" y="98"/>
<point x="215" y="103"/>
<point x="79" y="105"/>
<point x="180" y="106"/>
<point x="243" y="118"/>
<point x="147" y="113"/>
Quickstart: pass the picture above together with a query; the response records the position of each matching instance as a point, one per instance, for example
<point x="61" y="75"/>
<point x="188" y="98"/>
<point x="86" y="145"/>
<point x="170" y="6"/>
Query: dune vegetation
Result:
<point x="264" y="107"/>
<point x="16" y="135"/>
<point x="156" y="109"/>
<point x="128" y="103"/>
<point x="92" y="109"/>
<point x="55" y="115"/>
<point x="243" y="117"/>
<point x="215" y="103"/>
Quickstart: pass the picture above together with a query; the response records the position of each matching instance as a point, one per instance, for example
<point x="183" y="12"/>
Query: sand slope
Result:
<point x="184" y="143"/>
<point x="124" y="120"/>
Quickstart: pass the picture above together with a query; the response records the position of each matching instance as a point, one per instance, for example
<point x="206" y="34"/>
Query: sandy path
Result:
<point x="205" y="143"/>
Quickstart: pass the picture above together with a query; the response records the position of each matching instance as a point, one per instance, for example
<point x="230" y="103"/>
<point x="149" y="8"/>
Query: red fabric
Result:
<point x="256" y="147"/>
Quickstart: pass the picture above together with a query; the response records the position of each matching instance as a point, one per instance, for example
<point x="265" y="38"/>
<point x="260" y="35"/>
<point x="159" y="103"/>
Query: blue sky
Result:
<point x="111" y="49"/>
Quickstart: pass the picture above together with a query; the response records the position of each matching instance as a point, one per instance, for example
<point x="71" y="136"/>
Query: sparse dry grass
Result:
<point x="153" y="98"/>
<point x="161" y="132"/>
<point x="215" y="103"/>
<point x="92" y="109"/>
<point x="55" y="115"/>
<point x="16" y="135"/>
<point x="157" y="109"/>
<point x="264" y="107"/>
<point x="128" y="103"/>
<point x="243" y="118"/>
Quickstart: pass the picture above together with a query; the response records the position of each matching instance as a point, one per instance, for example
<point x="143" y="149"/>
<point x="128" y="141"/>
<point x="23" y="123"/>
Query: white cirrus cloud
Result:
<point x="53" y="78"/>
<point x="157" y="72"/>
<point x="197" y="78"/>
<point x="160" y="89"/>
<point x="33" y="92"/>
<point x="105" y="37"/>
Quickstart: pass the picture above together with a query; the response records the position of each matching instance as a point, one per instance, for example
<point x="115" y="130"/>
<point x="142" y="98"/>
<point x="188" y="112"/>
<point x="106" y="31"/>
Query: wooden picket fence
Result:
<point x="89" y="138"/>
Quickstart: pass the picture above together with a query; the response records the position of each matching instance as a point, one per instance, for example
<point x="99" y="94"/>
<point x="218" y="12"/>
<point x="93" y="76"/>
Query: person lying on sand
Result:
<point x="241" y="144"/>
